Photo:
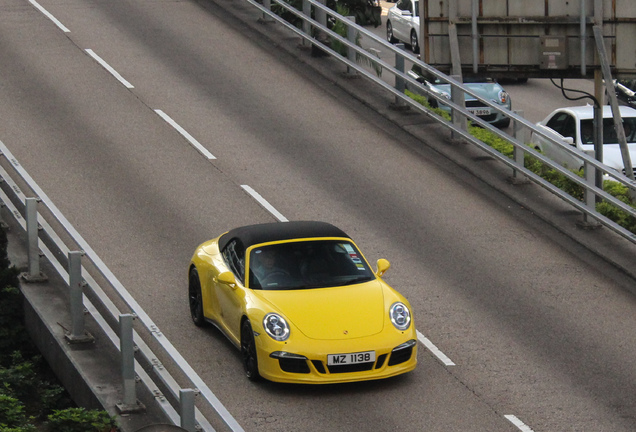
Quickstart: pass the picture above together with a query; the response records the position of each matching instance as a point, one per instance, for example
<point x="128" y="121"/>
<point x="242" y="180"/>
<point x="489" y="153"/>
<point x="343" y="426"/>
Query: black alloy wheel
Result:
<point x="194" y="298"/>
<point x="248" y="352"/>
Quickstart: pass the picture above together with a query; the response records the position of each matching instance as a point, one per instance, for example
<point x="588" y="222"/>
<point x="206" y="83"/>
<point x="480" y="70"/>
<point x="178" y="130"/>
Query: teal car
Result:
<point x="486" y="88"/>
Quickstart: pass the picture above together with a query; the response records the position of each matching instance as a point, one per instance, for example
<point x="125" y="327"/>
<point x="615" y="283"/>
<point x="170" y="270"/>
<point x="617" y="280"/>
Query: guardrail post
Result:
<point x="588" y="221"/>
<point x="129" y="404"/>
<point x="3" y="224"/>
<point x="519" y="132"/>
<point x="351" y="53"/>
<point x="306" y="25"/>
<point x="31" y="211"/>
<point x="321" y="15"/>
<point x="319" y="35"/>
<point x="186" y="409"/>
<point x="77" y="334"/>
<point x="267" y="4"/>
<point x="457" y="96"/>
<point x="400" y="85"/>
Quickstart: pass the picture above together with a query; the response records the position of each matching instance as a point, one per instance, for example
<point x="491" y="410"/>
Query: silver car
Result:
<point x="484" y="87"/>
<point x="574" y="127"/>
<point x="403" y="23"/>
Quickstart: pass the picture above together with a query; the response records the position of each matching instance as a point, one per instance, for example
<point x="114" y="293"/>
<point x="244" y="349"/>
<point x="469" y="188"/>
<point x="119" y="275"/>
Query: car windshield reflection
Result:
<point x="306" y="265"/>
<point x="609" y="132"/>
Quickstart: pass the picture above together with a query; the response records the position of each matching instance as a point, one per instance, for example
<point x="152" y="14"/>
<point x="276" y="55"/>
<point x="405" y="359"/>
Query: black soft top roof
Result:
<point x="262" y="233"/>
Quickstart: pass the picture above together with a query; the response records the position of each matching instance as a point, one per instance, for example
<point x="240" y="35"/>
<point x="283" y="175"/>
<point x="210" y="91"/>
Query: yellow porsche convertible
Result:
<point x="302" y="304"/>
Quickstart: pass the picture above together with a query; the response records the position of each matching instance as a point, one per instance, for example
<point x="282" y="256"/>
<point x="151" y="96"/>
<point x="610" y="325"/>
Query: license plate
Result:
<point x="351" y="358"/>
<point x="479" y="111"/>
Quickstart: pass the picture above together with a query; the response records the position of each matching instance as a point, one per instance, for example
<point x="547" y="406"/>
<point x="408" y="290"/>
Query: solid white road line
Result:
<point x="109" y="69"/>
<point x="432" y="348"/>
<point x="185" y="134"/>
<point x="262" y="201"/>
<point x="49" y="16"/>
<point x="515" y="421"/>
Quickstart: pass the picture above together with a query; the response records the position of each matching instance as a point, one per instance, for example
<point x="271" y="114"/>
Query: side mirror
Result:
<point x="227" y="278"/>
<point x="383" y="266"/>
<point x="568" y="140"/>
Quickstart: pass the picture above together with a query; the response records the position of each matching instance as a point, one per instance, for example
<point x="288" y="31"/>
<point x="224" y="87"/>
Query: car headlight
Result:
<point x="400" y="316"/>
<point x="503" y="97"/>
<point x="276" y="327"/>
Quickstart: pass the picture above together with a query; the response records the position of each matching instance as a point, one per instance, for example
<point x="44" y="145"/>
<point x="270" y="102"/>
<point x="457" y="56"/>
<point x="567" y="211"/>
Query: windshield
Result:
<point x="609" y="133"/>
<point x="307" y="264"/>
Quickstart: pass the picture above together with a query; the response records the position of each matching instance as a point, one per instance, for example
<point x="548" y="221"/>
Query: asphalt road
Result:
<point x="536" y="326"/>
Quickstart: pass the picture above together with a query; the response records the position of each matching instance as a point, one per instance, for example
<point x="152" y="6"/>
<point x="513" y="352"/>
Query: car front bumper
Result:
<point x="306" y="362"/>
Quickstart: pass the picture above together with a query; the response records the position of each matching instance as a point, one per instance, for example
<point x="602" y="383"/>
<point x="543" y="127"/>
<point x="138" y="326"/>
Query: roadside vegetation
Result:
<point x="31" y="398"/>
<point x="533" y="164"/>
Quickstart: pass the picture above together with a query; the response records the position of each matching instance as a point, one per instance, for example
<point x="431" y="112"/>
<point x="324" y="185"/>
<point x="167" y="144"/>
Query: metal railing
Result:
<point x="49" y="232"/>
<point x="309" y="27"/>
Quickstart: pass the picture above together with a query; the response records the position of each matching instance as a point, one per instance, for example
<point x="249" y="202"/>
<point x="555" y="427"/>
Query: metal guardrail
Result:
<point x="77" y="263"/>
<point x="310" y="27"/>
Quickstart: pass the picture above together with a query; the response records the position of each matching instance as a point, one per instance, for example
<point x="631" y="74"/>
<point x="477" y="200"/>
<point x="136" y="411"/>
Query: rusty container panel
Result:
<point x="495" y="8"/>
<point x="625" y="30"/>
<point x="626" y="53"/>
<point x="439" y="52"/>
<point x="525" y="8"/>
<point x="437" y="47"/>
<point x="625" y="9"/>
<point x="510" y="34"/>
<point x="564" y="8"/>
<point x="495" y="49"/>
<point x="435" y="9"/>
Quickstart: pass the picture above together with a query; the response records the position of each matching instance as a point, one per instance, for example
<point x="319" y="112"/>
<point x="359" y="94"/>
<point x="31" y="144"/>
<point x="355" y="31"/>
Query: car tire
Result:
<point x="248" y="352"/>
<point x="415" y="43"/>
<point x="389" y="33"/>
<point x="195" y="298"/>
<point x="502" y="124"/>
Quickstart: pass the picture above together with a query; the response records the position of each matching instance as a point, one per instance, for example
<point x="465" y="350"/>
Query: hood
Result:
<point x="346" y="312"/>
<point x="613" y="157"/>
<point x="487" y="90"/>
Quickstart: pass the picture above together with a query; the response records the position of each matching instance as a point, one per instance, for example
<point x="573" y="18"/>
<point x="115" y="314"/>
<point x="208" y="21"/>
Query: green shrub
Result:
<point x="499" y="144"/>
<point x="81" y="420"/>
<point x="8" y="273"/>
<point x="13" y="415"/>
<point x="13" y="334"/>
<point x="617" y="190"/>
<point x="341" y="28"/>
<point x="28" y="380"/>
<point x="423" y="101"/>
<point x="27" y="428"/>
<point x="20" y="379"/>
